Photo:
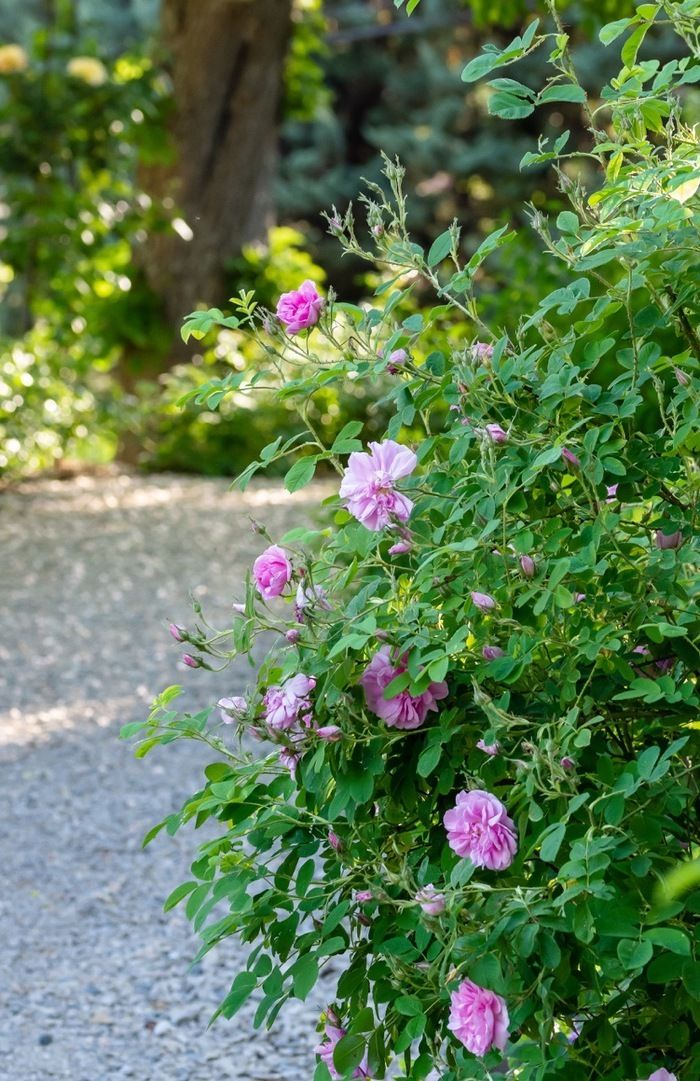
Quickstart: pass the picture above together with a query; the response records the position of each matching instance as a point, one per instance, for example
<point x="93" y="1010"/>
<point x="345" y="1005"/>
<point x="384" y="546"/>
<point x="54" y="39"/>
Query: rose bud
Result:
<point x="570" y="457"/>
<point x="483" y="601"/>
<point x="490" y="653"/>
<point x="496" y="434"/>
<point x="668" y="540"/>
<point x="527" y="566"/>
<point x="177" y="632"/>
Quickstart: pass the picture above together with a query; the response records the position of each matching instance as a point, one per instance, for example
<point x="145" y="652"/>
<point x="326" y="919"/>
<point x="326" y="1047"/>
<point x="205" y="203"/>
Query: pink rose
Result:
<point x="368" y="487"/>
<point x="300" y="308"/>
<point x="404" y="710"/>
<point x="479" y="828"/>
<point x="232" y="709"/>
<point x="284" y="705"/>
<point x="432" y="902"/>
<point x="291" y="760"/>
<point x="272" y="571"/>
<point x="478" y="1018"/>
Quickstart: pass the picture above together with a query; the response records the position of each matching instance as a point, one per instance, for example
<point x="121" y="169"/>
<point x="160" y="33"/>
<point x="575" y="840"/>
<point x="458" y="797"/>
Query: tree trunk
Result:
<point x="227" y="60"/>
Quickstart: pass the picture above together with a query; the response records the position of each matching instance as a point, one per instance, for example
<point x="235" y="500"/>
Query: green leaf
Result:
<point x="480" y="66"/>
<point x="429" y="759"/>
<point x="508" y="106"/>
<point x="632" y="45"/>
<point x="551" y="842"/>
<point x="634" y="954"/>
<point x="440" y="248"/>
<point x="301" y="473"/>
<point x="241" y="989"/>
<point x="613" y="30"/>
<point x="304" y="974"/>
<point x="562" y="92"/>
<point x="348" y="1053"/>
<point x="178" y="893"/>
<point x="669" y="938"/>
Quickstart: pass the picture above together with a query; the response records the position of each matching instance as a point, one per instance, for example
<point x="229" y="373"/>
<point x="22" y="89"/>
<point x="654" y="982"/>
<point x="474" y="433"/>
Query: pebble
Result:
<point x="97" y="983"/>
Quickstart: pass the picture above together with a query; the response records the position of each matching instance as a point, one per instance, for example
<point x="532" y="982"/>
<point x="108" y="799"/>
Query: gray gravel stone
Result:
<point x="95" y="980"/>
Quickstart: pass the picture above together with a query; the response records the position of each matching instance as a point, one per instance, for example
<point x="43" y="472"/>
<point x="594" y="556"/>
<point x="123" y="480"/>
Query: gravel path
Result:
<point x="95" y="981"/>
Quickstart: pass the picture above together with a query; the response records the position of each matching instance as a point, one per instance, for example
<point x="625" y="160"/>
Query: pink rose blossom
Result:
<point x="491" y="749"/>
<point x="333" y="1035"/>
<point x="496" y="434"/>
<point x="490" y="653"/>
<point x="668" y="540"/>
<point x="272" y="571"/>
<point x="284" y="704"/>
<point x="661" y="1075"/>
<point x="478" y="1018"/>
<point x="300" y="308"/>
<point x="479" y="828"/>
<point x="527" y="566"/>
<point x="404" y="710"/>
<point x="483" y="601"/>
<point x="291" y="760"/>
<point x="368" y="488"/>
<point x="330" y="733"/>
<point x="432" y="902"/>
<point x="232" y="709"/>
<point x="570" y="457"/>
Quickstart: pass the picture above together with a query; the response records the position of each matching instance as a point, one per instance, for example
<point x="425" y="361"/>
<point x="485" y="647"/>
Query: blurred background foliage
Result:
<point x="90" y="362"/>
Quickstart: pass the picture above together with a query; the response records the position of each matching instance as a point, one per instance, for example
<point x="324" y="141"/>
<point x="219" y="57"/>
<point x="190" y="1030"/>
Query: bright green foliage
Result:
<point x="593" y="700"/>
<point x="70" y="127"/>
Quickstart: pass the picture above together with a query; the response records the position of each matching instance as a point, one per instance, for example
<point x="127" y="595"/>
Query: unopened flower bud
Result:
<point x="177" y="632"/>
<point x="331" y="733"/>
<point x="334" y="841"/>
<point x="362" y="896"/>
<point x="668" y="540"/>
<point x="681" y="377"/>
<point x="293" y="636"/>
<point x="240" y="608"/>
<point x="567" y="763"/>
<point x="527" y="566"/>
<point x="483" y="601"/>
<point x="190" y="661"/>
<point x="570" y="457"/>
<point x="490" y="653"/>
<point x="496" y="433"/>
<point x="400" y="547"/>
<point x="432" y="902"/>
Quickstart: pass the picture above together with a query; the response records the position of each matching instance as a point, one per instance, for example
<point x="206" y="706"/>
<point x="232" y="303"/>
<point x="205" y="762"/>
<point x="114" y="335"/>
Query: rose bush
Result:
<point x="480" y="704"/>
